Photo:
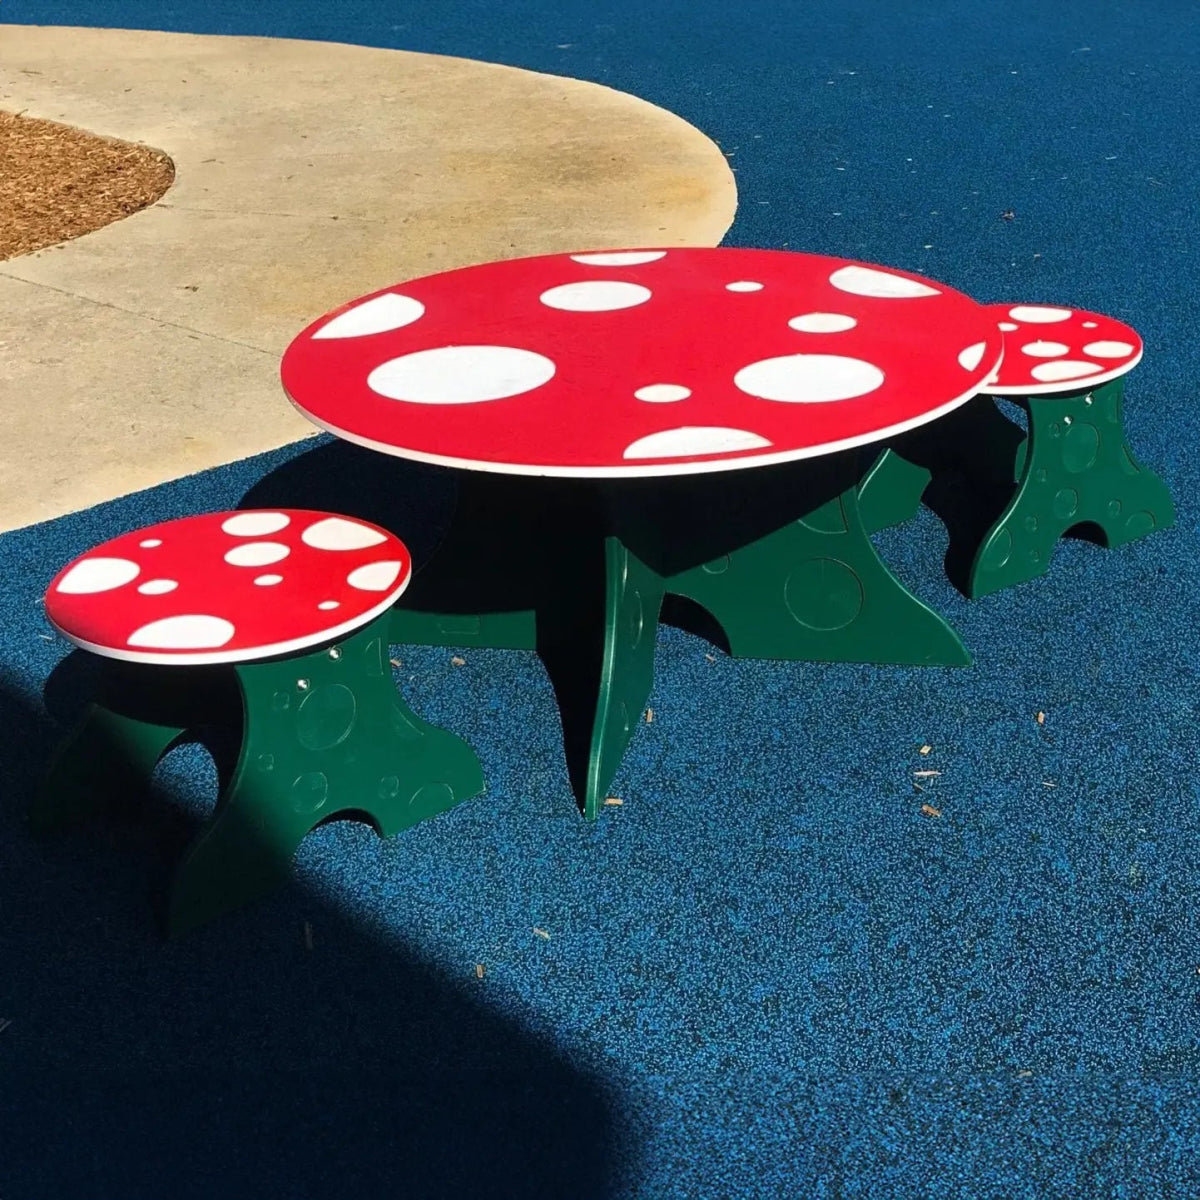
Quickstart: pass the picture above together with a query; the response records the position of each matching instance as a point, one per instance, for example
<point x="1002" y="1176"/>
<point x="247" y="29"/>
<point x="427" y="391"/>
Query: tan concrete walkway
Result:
<point x="306" y="173"/>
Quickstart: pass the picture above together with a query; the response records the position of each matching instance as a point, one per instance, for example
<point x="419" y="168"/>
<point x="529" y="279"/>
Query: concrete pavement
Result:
<point x="306" y="173"/>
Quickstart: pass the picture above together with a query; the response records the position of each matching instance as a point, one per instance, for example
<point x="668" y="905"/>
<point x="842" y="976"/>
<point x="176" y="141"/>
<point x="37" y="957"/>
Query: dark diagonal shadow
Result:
<point x="242" y="1060"/>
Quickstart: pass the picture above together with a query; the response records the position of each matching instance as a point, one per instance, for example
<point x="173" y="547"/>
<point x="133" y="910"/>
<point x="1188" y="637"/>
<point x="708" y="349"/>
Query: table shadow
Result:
<point x="518" y="562"/>
<point x="412" y="500"/>
<point x="971" y="456"/>
<point x="240" y="1059"/>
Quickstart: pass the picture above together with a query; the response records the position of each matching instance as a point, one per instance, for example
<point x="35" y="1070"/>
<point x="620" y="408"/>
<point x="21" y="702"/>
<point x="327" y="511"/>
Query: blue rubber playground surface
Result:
<point x="767" y="973"/>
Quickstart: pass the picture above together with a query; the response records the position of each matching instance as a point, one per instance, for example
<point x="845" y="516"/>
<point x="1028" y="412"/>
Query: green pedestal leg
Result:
<point x="108" y="760"/>
<point x="891" y="491"/>
<point x="815" y="589"/>
<point x="596" y="635"/>
<point x="325" y="734"/>
<point x="1076" y="468"/>
<point x="632" y="602"/>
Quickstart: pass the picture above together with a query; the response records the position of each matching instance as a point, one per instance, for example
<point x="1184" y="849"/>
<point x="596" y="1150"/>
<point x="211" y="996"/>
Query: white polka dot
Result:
<point x="327" y="605"/>
<point x="98" y="575"/>
<point x="1054" y="372"/>
<point x="268" y="580"/>
<point x="808" y="378"/>
<point x="596" y="295"/>
<point x="461" y="375"/>
<point x="256" y="554"/>
<point x="662" y="393"/>
<point x="625" y="258"/>
<point x="190" y="632"/>
<point x="694" y="439"/>
<point x="744" y="285"/>
<point x="972" y="356"/>
<point x="1044" y="349"/>
<point x="157" y="587"/>
<point x="254" y="524"/>
<point x="1108" y="349"/>
<point x="1038" y="314"/>
<point x="374" y="577"/>
<point x="336" y="533"/>
<point x="150" y="543"/>
<point x="820" y="322"/>
<point x="1089" y="324"/>
<point x="866" y="281"/>
<point x="1008" y="326"/>
<point x="378" y="315"/>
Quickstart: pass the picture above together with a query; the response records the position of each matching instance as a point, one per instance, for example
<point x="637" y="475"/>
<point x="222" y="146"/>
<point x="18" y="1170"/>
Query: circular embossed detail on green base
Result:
<point x="1066" y="503"/>
<point x="1139" y="523"/>
<point x="310" y="792"/>
<point x="997" y="552"/>
<point x="432" y="798"/>
<point x="326" y="716"/>
<point x="1080" y="447"/>
<point x="823" y="594"/>
<point x="635" y="618"/>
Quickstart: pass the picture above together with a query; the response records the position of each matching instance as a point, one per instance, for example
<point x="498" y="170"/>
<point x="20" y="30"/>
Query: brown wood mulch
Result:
<point x="57" y="182"/>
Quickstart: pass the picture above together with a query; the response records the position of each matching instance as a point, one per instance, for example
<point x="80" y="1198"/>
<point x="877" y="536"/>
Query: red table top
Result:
<point x="1048" y="349"/>
<point x="645" y="362"/>
<point x="228" y="587"/>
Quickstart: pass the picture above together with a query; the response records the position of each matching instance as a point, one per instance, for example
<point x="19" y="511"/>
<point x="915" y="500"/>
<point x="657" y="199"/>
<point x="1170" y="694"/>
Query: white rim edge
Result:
<point x="197" y="658"/>
<point x="660" y="469"/>
<point x="1079" y="384"/>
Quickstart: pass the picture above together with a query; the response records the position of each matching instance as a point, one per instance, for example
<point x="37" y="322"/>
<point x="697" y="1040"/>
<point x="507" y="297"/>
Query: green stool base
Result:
<point x="324" y="734"/>
<point x="1076" y="469"/>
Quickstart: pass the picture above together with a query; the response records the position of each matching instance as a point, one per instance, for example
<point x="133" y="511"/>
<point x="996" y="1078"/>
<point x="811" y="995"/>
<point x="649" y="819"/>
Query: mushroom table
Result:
<point x="604" y="410"/>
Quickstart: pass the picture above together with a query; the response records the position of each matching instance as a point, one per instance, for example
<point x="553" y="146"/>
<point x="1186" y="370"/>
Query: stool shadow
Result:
<point x="238" y="1060"/>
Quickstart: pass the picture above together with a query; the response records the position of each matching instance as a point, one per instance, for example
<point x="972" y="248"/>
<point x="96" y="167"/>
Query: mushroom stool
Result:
<point x="274" y="623"/>
<point x="1073" y="468"/>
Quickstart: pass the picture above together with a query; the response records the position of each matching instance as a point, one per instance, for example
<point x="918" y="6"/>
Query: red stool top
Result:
<point x="628" y="363"/>
<point x="229" y="586"/>
<point x="1049" y="350"/>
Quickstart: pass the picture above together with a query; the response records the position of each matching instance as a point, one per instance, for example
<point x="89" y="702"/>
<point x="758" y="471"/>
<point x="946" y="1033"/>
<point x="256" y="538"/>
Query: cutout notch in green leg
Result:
<point x="324" y="734"/>
<point x="815" y="589"/>
<point x="109" y="759"/>
<point x="1077" y="469"/>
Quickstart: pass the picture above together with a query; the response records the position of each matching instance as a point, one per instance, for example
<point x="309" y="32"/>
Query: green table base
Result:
<point x="324" y="734"/>
<point x="579" y="571"/>
<point x="1073" y="471"/>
